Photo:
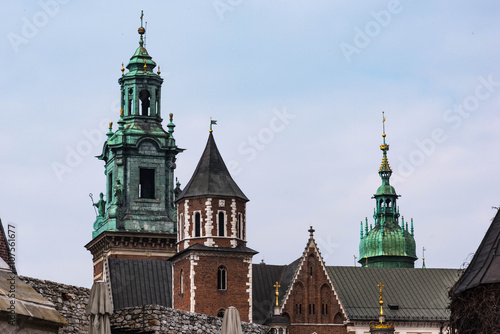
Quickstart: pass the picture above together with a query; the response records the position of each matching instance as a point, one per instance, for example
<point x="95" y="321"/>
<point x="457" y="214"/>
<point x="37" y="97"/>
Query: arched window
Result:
<point x="130" y="101"/>
<point x="221" y="224"/>
<point x="181" y="281"/>
<point x="181" y="226"/>
<point x="220" y="313"/>
<point x="197" y="224"/>
<point x="240" y="226"/>
<point x="222" y="278"/>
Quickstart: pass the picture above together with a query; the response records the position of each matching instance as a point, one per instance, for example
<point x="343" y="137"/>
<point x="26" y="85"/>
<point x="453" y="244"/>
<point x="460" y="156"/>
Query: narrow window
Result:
<point x="181" y="281"/>
<point x="221" y="278"/>
<point x="280" y="331"/>
<point x="311" y="271"/>
<point x="197" y="224"/>
<point x="181" y="226"/>
<point x="221" y="224"/>
<point x="109" y="196"/>
<point x="239" y="226"/>
<point x="146" y="183"/>
<point x="313" y="310"/>
<point x="300" y="308"/>
<point x="310" y="309"/>
<point x="129" y="104"/>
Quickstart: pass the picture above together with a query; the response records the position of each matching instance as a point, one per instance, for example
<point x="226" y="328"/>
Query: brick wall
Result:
<point x="209" y="221"/>
<point x="312" y="300"/>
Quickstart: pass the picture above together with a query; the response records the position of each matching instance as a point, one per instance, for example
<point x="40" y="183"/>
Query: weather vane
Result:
<point x="212" y="122"/>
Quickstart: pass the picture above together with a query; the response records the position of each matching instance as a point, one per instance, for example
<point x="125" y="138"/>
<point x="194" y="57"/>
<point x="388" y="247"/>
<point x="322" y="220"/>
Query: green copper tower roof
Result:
<point x="387" y="244"/>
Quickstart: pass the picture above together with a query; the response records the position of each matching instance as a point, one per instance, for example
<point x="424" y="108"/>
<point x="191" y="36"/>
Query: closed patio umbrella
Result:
<point x="231" y="323"/>
<point x="100" y="308"/>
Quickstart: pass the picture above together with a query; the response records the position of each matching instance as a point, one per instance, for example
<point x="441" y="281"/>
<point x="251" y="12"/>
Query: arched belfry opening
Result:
<point x="144" y="97"/>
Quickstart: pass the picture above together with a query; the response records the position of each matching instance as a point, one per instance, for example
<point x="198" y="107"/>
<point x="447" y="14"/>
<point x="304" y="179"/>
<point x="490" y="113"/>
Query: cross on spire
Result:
<point x="380" y="294"/>
<point x="311" y="232"/>
<point x="277" y="285"/>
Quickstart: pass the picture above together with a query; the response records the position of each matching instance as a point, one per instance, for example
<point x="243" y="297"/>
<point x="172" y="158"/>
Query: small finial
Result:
<point x="123" y="69"/>
<point x="311" y="232"/>
<point x="383" y="123"/>
<point x="141" y="29"/>
<point x="158" y="70"/>
<point x="171" y="117"/>
<point x="423" y="257"/>
<point x="145" y="65"/>
<point x="277" y="285"/>
<point x="212" y="122"/>
<point x="110" y="125"/>
<point x="121" y="112"/>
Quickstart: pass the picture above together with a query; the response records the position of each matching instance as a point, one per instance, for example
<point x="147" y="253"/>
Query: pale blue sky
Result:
<point x="417" y="61"/>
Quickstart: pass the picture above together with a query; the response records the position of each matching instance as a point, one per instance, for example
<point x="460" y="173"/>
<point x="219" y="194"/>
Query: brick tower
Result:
<point x="213" y="267"/>
<point x="137" y="218"/>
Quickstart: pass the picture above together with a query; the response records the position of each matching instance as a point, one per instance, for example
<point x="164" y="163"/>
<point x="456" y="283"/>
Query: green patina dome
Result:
<point x="386" y="189"/>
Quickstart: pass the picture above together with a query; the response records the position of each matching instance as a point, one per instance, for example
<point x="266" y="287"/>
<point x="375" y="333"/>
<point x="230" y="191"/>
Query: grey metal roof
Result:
<point x="420" y="294"/>
<point x="200" y="247"/>
<point x="140" y="282"/>
<point x="211" y="176"/>
<point x="485" y="265"/>
<point x="264" y="277"/>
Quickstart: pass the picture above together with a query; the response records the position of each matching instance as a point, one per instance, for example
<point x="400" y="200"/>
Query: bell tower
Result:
<point x="137" y="219"/>
<point x="387" y="244"/>
<point x="213" y="267"/>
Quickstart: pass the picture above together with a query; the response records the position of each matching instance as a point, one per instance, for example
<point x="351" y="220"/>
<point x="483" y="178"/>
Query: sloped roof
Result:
<point x="140" y="282"/>
<point x="420" y="294"/>
<point x="28" y="302"/>
<point x="264" y="277"/>
<point x="211" y="176"/>
<point x="485" y="265"/>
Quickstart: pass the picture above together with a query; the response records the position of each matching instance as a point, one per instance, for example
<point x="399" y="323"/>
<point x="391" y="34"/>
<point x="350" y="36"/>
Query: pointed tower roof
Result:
<point x="485" y="265"/>
<point x="211" y="176"/>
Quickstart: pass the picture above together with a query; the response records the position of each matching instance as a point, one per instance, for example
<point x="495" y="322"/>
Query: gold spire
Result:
<point x="277" y="285"/>
<point x="123" y="69"/>
<point x="381" y="302"/>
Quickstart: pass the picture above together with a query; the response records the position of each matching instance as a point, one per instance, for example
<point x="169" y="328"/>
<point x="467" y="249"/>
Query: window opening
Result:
<point x="146" y="183"/>
<point x="221" y="224"/>
<point x="221" y="278"/>
<point x="197" y="224"/>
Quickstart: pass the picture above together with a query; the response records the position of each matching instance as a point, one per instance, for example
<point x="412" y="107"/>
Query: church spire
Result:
<point x="388" y="244"/>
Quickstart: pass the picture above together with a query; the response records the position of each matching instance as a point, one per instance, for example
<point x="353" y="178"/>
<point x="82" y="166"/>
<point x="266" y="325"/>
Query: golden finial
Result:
<point x="110" y="125"/>
<point x="277" y="285"/>
<point x="158" y="70"/>
<point x="381" y="302"/>
<point x="121" y="112"/>
<point x="145" y="66"/>
<point x="123" y="69"/>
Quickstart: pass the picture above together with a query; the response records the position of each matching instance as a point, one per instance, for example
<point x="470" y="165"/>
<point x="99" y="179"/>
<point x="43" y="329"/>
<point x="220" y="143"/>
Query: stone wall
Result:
<point x="69" y="300"/>
<point x="158" y="319"/>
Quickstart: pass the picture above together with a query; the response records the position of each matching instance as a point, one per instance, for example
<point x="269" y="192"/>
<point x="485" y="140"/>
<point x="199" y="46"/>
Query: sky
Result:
<point x="298" y="89"/>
